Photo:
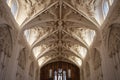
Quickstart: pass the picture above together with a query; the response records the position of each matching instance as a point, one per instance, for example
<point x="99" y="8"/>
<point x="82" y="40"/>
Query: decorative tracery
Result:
<point x="60" y="74"/>
<point x="57" y="29"/>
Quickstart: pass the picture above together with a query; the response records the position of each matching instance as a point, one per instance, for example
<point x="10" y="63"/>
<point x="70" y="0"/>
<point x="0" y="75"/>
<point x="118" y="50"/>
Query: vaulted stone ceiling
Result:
<point x="61" y="31"/>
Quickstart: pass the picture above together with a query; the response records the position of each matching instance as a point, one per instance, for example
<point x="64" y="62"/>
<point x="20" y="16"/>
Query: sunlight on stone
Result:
<point x="111" y="2"/>
<point x="31" y="35"/>
<point x="88" y="36"/>
<point x="37" y="51"/>
<point x="41" y="60"/>
<point x="77" y="60"/>
<point x="79" y="50"/>
<point x="82" y="51"/>
<point x="97" y="17"/>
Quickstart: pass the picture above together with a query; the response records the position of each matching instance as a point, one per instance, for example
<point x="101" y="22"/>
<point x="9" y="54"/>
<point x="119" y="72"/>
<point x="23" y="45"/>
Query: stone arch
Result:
<point x="5" y="49"/>
<point x="55" y="59"/>
<point x="46" y="74"/>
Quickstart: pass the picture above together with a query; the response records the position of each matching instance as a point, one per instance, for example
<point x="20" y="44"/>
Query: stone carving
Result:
<point x="22" y="61"/>
<point x="96" y="58"/>
<point x="88" y="6"/>
<point x="5" y="49"/>
<point x="22" y="58"/>
<point x="33" y="7"/>
<point x="114" y="44"/>
<point x="57" y="23"/>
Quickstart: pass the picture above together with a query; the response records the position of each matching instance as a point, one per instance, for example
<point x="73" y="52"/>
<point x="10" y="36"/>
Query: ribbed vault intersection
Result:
<point x="60" y="32"/>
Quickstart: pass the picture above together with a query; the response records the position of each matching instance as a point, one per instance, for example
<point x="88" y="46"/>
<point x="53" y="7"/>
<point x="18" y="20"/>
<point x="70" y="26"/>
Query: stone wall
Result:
<point x="104" y="56"/>
<point x="15" y="58"/>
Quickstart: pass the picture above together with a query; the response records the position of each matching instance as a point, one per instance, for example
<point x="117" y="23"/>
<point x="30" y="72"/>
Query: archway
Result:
<point x="60" y="71"/>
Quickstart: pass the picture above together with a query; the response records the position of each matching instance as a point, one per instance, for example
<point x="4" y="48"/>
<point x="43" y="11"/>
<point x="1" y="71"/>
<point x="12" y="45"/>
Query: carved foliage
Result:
<point x="88" y="6"/>
<point x="57" y="20"/>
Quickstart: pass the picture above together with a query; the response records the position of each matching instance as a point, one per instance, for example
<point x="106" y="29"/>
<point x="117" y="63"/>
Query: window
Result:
<point x="60" y="75"/>
<point x="69" y="73"/>
<point x="50" y="73"/>
<point x="14" y="7"/>
<point x="55" y="75"/>
<point x="105" y="8"/>
<point x="64" y="75"/>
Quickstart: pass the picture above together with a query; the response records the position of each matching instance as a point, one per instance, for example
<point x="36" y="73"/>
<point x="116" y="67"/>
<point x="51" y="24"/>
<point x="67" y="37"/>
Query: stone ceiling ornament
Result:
<point x="60" y="27"/>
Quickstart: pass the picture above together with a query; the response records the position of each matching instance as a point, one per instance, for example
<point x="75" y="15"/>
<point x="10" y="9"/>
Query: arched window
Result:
<point x="60" y="74"/>
<point x="55" y="75"/>
<point x="64" y="75"/>
<point x="14" y="7"/>
<point x="105" y="8"/>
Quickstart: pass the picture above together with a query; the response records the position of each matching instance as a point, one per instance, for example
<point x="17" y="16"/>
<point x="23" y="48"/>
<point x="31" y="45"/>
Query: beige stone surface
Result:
<point x="45" y="31"/>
